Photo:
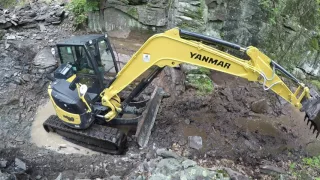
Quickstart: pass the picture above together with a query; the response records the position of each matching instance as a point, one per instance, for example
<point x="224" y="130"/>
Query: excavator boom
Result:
<point x="178" y="46"/>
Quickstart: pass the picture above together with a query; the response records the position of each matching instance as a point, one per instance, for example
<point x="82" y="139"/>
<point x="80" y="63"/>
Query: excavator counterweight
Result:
<point x="85" y="88"/>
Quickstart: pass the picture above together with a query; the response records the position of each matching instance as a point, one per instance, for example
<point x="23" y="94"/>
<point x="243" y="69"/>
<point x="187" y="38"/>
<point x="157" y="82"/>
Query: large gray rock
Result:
<point x="3" y="163"/>
<point x="166" y="154"/>
<point x="2" y="33"/>
<point x="234" y="175"/>
<point x="4" y="176"/>
<point x="312" y="68"/>
<point x="260" y="106"/>
<point x="5" y="25"/>
<point x="289" y="37"/>
<point x="298" y="73"/>
<point x="195" y="142"/>
<point x="189" y="69"/>
<point x="20" y="165"/>
<point x="44" y="59"/>
<point x="270" y="169"/>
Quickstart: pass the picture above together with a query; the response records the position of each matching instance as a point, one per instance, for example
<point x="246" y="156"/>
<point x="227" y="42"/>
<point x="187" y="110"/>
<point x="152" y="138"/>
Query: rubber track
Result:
<point x="97" y="137"/>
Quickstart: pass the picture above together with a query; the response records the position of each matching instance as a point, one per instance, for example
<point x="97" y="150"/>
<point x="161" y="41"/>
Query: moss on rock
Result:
<point x="201" y="82"/>
<point x="316" y="83"/>
<point x="132" y="11"/>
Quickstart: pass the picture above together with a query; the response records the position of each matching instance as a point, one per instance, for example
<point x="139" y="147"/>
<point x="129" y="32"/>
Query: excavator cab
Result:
<point x="87" y="67"/>
<point x="91" y="59"/>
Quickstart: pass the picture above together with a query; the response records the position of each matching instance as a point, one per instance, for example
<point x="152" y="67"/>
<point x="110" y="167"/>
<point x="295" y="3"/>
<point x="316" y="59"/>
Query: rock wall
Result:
<point x="31" y="14"/>
<point x="286" y="30"/>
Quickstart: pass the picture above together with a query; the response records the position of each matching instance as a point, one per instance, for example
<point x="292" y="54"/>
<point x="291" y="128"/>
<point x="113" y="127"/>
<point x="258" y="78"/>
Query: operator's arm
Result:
<point x="169" y="49"/>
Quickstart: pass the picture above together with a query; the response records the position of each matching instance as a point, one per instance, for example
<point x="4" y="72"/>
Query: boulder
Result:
<point x="188" y="163"/>
<point x="52" y="19"/>
<point x="5" y="176"/>
<point x="173" y="168"/>
<point x="260" y="106"/>
<point x="234" y="175"/>
<point x="44" y="59"/>
<point x="5" y="25"/>
<point x="195" y="142"/>
<point x="311" y="68"/>
<point x="271" y="170"/>
<point x="3" y="19"/>
<point x="11" y="37"/>
<point x="166" y="154"/>
<point x="2" y="33"/>
<point x="3" y="163"/>
<point x="298" y="73"/>
<point x="20" y="165"/>
<point x="189" y="69"/>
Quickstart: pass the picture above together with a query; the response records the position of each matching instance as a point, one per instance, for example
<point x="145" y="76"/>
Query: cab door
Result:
<point x="84" y="68"/>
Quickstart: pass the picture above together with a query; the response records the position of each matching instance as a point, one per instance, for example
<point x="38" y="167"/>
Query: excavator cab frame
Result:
<point x="90" y="56"/>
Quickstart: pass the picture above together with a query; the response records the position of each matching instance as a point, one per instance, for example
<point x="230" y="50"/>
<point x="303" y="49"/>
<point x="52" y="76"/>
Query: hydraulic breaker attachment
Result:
<point x="311" y="107"/>
<point x="148" y="118"/>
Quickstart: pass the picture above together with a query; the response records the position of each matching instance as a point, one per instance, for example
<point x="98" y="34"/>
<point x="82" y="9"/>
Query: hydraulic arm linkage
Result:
<point x="178" y="46"/>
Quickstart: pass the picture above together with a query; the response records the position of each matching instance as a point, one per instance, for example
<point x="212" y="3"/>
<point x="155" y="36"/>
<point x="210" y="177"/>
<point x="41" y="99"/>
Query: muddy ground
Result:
<point x="233" y="135"/>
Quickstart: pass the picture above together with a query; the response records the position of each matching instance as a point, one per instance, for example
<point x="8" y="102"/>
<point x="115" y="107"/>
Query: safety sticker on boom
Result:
<point x="146" y="57"/>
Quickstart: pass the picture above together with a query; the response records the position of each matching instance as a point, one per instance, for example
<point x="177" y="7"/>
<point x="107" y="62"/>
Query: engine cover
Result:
<point x="68" y="105"/>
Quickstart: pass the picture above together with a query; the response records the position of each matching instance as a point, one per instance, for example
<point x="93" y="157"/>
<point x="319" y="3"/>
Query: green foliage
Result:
<point x="304" y="170"/>
<point x="315" y="43"/>
<point x="273" y="8"/>
<point x="133" y="12"/>
<point x="316" y="83"/>
<point x="198" y="14"/>
<point x="12" y="3"/>
<point x="204" y="70"/>
<point x="292" y="166"/>
<point x="313" y="162"/>
<point x="201" y="82"/>
<point x="80" y="9"/>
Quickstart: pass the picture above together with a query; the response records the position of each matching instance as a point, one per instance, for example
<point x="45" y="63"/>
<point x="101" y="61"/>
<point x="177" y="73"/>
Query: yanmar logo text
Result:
<point x="210" y="60"/>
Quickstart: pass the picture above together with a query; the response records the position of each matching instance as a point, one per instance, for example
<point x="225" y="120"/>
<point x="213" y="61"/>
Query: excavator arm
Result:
<point x="178" y="46"/>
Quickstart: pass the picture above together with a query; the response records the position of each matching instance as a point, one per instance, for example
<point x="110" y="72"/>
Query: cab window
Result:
<point x="77" y="57"/>
<point x="106" y="57"/>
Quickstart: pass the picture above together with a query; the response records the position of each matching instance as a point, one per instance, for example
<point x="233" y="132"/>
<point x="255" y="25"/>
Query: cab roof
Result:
<point x="80" y="40"/>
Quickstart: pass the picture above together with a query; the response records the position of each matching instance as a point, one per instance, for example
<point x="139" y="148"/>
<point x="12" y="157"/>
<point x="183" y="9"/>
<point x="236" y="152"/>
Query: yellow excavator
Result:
<point x="86" y="88"/>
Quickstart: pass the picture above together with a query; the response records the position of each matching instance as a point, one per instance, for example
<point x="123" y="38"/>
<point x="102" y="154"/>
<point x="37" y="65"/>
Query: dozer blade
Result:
<point x="146" y="123"/>
<point x="311" y="107"/>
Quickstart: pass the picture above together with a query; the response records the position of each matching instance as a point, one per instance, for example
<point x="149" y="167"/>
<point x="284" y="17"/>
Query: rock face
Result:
<point x="44" y="59"/>
<point x="29" y="16"/>
<point x="288" y="36"/>
<point x="171" y="166"/>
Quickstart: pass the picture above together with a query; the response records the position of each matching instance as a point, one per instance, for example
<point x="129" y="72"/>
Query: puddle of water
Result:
<point x="264" y="127"/>
<point x="293" y="122"/>
<point x="313" y="149"/>
<point x="51" y="140"/>
<point x="194" y="131"/>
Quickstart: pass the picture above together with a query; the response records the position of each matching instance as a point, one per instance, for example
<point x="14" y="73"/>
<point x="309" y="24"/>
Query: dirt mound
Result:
<point x="228" y="126"/>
